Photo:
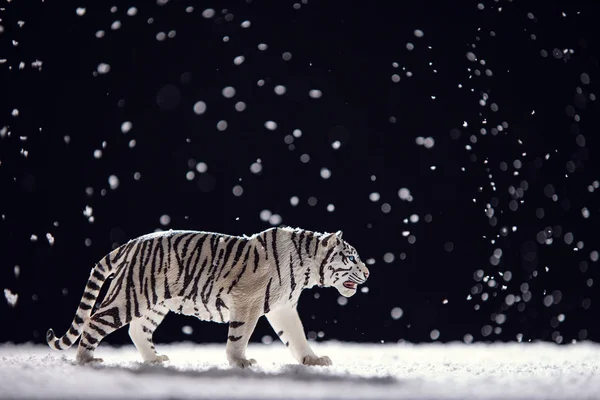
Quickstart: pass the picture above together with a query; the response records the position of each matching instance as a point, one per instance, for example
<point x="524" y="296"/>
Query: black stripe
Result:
<point x="194" y="292"/>
<point x="108" y="263"/>
<point x="101" y="331"/>
<point x="73" y="331"/>
<point x="130" y="288"/>
<point x="84" y="306"/>
<point x="180" y="256"/>
<point x="146" y="260"/>
<point x="292" y="278"/>
<point x="219" y="262"/>
<point x="161" y="255"/>
<point x="279" y="333"/>
<point x="78" y="320"/>
<point x="267" y="307"/>
<point x="302" y="236"/>
<point x="210" y="281"/>
<point x="219" y="303"/>
<point x="228" y="251"/>
<point x="99" y="267"/>
<point x="214" y="245"/>
<point x="186" y="245"/>
<point x="306" y="277"/>
<point x="322" y="266"/>
<point x="124" y="249"/>
<point x="234" y="338"/>
<point x="167" y="294"/>
<point x="210" y="316"/>
<point x="256" y="256"/>
<point x="336" y="270"/>
<point x="189" y="272"/>
<point x="92" y="286"/>
<point x="89" y="338"/>
<point x="276" y="254"/>
<point x="124" y="253"/>
<point x="309" y="238"/>
<point x="146" y="263"/>
<point x="110" y="297"/>
<point x="208" y="286"/>
<point x="236" y="257"/>
<point x="153" y="271"/>
<point x="135" y="261"/>
<point x="116" y="288"/>
<point x="146" y="294"/>
<point x="113" y="313"/>
<point x="96" y="274"/>
<point x="240" y="250"/>
<point x="236" y="324"/>
<point x="298" y="246"/>
<point x="287" y="344"/>
<point x="178" y="240"/>
<point x="237" y="279"/>
<point x="89" y="296"/>
<point x="66" y="341"/>
<point x="264" y="245"/>
<point x="85" y="346"/>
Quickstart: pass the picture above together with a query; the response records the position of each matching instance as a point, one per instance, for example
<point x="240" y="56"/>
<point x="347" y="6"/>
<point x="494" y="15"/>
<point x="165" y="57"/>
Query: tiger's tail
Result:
<point x="97" y="277"/>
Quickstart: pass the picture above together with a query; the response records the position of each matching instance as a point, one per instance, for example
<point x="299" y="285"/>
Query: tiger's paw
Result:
<point x="316" y="360"/>
<point x="242" y="362"/>
<point x="90" y="361"/>
<point x="160" y="358"/>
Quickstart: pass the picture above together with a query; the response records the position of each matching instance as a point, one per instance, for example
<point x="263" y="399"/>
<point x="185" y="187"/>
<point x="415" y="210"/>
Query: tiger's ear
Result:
<point x="328" y="239"/>
<point x="339" y="234"/>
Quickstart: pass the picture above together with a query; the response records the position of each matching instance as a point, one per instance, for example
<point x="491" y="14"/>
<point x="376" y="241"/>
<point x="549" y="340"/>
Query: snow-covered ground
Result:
<point x="390" y="371"/>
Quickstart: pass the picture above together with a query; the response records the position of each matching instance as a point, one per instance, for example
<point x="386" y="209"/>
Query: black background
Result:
<point x="346" y="50"/>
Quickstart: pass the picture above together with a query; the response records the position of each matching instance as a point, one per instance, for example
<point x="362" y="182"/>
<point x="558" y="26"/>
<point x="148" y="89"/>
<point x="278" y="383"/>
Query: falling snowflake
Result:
<point x="11" y="298"/>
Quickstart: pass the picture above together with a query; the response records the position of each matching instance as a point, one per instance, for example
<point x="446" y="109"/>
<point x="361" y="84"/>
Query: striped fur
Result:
<point x="213" y="277"/>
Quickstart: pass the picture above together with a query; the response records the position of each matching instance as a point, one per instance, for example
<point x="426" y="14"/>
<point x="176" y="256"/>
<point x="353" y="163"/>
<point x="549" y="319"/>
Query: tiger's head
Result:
<point x="341" y="267"/>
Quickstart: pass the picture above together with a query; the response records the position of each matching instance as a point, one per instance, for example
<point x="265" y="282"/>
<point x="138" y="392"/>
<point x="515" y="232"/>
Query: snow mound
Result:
<point x="360" y="371"/>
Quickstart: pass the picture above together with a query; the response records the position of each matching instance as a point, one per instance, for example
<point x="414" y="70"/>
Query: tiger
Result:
<point x="213" y="277"/>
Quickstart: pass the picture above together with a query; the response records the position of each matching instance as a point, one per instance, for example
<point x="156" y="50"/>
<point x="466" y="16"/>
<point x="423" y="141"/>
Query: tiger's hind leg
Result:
<point x="105" y="321"/>
<point x="113" y="314"/>
<point x="141" y="331"/>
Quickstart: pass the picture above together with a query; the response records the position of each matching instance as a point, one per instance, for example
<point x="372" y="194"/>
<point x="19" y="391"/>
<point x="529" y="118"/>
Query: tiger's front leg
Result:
<point x="242" y="321"/>
<point x="286" y="322"/>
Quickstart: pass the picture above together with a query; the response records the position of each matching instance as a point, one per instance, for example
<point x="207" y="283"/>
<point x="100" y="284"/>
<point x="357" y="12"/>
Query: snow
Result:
<point x="208" y="13"/>
<point x="11" y="298"/>
<point x="315" y="93"/>
<point x="373" y="371"/>
<point x="103" y="68"/>
<point x="240" y="106"/>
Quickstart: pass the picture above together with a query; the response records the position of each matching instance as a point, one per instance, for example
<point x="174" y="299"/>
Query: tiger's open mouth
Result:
<point x="350" y="285"/>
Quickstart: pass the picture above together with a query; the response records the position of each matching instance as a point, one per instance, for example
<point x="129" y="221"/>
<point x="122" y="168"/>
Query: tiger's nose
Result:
<point x="366" y="273"/>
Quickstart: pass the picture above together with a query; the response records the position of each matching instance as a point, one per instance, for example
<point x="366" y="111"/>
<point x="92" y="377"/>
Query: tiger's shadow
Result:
<point x="290" y="371"/>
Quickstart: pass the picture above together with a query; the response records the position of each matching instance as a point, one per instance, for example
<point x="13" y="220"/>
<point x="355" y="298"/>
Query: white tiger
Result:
<point x="214" y="277"/>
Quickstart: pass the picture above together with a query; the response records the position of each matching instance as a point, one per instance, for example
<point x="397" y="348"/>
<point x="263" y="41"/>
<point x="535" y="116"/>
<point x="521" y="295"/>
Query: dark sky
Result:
<point x="118" y="121"/>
